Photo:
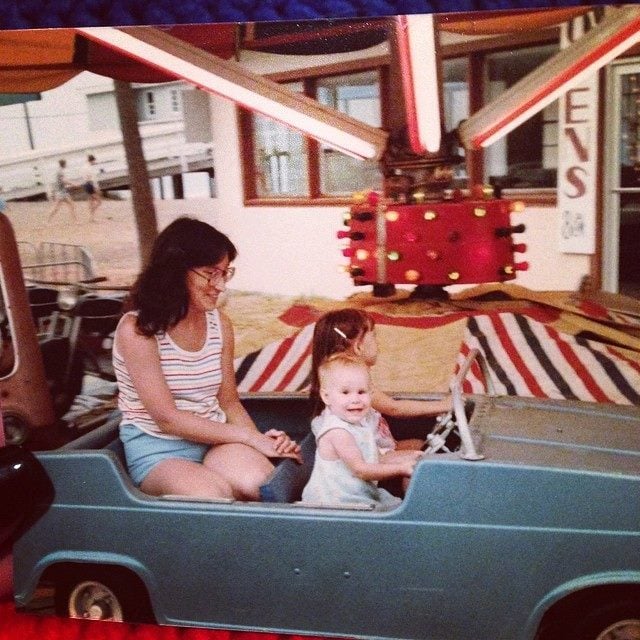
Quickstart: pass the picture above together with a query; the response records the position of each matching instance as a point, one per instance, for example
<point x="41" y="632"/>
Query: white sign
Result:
<point x="577" y="153"/>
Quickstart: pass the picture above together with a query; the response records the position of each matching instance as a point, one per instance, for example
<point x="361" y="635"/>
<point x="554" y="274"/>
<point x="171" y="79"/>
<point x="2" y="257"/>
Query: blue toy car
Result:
<point x="530" y="530"/>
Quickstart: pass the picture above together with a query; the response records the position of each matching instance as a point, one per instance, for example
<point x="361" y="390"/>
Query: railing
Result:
<point x="30" y="174"/>
<point x="55" y="262"/>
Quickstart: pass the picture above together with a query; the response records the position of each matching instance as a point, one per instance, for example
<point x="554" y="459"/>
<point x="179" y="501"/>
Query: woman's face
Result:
<point x="207" y="283"/>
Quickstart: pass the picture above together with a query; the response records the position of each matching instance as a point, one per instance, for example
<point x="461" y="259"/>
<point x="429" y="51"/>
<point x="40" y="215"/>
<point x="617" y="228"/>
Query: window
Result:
<point x="455" y="95"/>
<point x="175" y="102"/>
<point x="358" y="96"/>
<point x="280" y="164"/>
<point x="286" y="164"/>
<point x="526" y="157"/>
<point x="150" y="104"/>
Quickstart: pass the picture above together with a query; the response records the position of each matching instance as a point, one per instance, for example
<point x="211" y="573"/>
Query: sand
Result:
<point x="406" y="362"/>
<point x="410" y="359"/>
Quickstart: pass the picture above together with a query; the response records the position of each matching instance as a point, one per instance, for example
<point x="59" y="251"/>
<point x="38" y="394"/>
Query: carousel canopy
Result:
<point x="618" y="31"/>
<point x="38" y="60"/>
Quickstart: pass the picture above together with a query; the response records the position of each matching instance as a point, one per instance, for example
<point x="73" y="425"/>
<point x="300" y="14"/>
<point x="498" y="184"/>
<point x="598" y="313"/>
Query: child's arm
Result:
<point x="401" y="455"/>
<point x="407" y="408"/>
<point x="344" y="447"/>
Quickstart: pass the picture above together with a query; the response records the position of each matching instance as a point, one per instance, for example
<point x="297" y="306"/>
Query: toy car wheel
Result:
<point x="16" y="430"/>
<point x="99" y="593"/>
<point x="93" y="600"/>
<point x="611" y="622"/>
<point x="618" y="620"/>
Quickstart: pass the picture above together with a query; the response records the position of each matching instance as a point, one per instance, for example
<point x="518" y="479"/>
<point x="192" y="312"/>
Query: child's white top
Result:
<point x="332" y="482"/>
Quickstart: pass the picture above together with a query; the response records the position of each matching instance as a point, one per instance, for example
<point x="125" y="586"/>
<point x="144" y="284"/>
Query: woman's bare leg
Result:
<point x="175" y="476"/>
<point x="244" y="468"/>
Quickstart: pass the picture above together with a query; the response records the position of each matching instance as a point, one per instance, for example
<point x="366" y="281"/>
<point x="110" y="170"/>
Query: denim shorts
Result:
<point x="143" y="451"/>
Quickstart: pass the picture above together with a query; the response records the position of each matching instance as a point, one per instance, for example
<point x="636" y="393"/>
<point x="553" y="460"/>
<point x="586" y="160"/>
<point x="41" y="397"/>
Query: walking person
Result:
<point x="91" y="187"/>
<point x="61" y="193"/>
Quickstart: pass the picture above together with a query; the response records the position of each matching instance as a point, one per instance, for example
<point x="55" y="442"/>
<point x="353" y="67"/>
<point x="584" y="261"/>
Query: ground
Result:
<point x="255" y="317"/>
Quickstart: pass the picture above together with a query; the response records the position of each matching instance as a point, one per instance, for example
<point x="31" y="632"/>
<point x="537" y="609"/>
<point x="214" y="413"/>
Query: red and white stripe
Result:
<point x="283" y="365"/>
<point x="617" y="32"/>
<point x="528" y="358"/>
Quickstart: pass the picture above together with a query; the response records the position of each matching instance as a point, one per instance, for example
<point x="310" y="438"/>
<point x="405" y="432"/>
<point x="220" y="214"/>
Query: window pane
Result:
<point x="455" y="93"/>
<point x="630" y="131"/>
<point x="357" y="95"/>
<point x="526" y="157"/>
<point x="281" y="165"/>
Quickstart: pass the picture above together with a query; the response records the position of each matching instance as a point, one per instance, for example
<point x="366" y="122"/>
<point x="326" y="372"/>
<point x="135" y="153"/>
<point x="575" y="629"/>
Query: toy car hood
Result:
<point x="560" y="434"/>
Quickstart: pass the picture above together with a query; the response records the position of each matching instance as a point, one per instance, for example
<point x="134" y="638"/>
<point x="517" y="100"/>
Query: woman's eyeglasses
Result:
<point x="216" y="275"/>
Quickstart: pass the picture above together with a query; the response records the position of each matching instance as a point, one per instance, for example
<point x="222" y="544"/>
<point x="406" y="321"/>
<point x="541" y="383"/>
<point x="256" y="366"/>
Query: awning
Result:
<point x="617" y="32"/>
<point x="42" y="59"/>
<point x="314" y="37"/>
<point x="174" y="57"/>
<point x="487" y="23"/>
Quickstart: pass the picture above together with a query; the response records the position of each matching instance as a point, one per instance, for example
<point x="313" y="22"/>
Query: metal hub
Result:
<point x="94" y="601"/>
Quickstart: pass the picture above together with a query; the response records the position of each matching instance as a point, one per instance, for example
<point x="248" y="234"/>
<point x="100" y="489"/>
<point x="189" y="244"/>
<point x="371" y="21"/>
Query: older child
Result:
<point x="353" y="331"/>
<point x="347" y="466"/>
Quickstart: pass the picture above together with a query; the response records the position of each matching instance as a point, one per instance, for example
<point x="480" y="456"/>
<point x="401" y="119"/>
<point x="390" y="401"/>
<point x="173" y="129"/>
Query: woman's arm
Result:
<point x="141" y="357"/>
<point x="407" y="408"/>
<point x="344" y="447"/>
<point x="230" y="401"/>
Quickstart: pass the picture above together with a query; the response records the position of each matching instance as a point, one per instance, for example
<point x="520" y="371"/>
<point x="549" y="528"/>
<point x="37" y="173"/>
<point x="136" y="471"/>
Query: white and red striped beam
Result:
<point x="231" y="80"/>
<point x="618" y="31"/>
<point x="417" y="54"/>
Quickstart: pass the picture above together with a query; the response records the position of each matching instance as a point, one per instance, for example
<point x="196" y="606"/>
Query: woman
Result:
<point x="183" y="427"/>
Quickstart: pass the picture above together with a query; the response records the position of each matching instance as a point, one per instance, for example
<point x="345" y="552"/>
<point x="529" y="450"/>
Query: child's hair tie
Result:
<point x="341" y="333"/>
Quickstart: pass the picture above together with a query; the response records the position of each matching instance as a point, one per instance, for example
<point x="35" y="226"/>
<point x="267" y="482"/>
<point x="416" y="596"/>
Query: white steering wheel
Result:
<point x="468" y="449"/>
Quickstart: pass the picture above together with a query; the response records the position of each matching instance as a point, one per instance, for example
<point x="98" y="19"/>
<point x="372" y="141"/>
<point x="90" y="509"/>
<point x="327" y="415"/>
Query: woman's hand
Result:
<point x="284" y="444"/>
<point x="276" y="444"/>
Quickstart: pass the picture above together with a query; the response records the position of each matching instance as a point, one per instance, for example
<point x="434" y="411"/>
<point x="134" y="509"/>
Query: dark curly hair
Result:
<point x="160" y="293"/>
<point x="335" y="332"/>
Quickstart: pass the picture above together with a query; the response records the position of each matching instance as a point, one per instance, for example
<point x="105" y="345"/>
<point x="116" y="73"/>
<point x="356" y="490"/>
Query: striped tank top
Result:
<point x="194" y="378"/>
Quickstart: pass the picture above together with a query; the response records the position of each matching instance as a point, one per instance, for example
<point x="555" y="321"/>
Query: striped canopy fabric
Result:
<point x="536" y="350"/>
<point x="527" y="357"/>
<point x="283" y="365"/>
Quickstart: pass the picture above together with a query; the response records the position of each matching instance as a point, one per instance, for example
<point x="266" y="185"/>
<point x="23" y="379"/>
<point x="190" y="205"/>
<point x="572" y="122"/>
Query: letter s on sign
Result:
<point x="574" y="178"/>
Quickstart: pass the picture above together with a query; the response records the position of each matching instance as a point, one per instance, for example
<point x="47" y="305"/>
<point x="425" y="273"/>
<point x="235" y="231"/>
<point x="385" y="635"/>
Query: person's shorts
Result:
<point x="143" y="452"/>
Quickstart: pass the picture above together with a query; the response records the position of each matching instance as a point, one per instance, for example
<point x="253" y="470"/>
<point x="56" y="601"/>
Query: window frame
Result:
<point x="476" y="53"/>
<point x="309" y="79"/>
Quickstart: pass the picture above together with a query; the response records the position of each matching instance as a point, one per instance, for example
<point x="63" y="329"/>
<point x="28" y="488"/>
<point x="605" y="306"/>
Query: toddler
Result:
<point x="347" y="466"/>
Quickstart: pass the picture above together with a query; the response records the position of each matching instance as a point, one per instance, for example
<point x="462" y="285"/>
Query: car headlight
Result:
<point x="67" y="298"/>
